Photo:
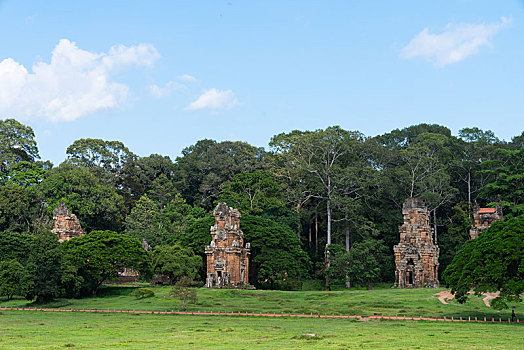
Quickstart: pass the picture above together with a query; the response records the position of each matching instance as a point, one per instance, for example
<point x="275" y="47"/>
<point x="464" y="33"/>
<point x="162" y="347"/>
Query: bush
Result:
<point x="142" y="293"/>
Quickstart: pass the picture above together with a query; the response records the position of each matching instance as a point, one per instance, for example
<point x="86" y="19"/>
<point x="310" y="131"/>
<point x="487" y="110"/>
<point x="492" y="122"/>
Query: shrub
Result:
<point x="142" y="293"/>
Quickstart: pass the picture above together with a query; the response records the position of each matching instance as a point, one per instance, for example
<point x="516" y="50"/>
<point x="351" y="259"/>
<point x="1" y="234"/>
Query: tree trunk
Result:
<point x="316" y="233"/>
<point x="328" y="208"/>
<point x="309" y="237"/>
<point x="469" y="188"/>
<point x="435" y="224"/>
<point x="348" y="246"/>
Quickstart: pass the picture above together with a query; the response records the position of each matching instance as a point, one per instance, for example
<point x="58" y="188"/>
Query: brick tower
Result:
<point x="67" y="225"/>
<point x="227" y="258"/>
<point x="483" y="218"/>
<point x="416" y="256"/>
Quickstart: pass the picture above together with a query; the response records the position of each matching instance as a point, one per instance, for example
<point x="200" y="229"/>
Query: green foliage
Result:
<point x="493" y="262"/>
<point x="176" y="262"/>
<point x="26" y="174"/>
<point x="183" y="292"/>
<point x="97" y="205"/>
<point x="456" y="235"/>
<point x="15" y="246"/>
<point x="44" y="268"/>
<point x="100" y="255"/>
<point x="11" y="275"/>
<point x="253" y="193"/>
<point x="91" y="153"/>
<point x="338" y="268"/>
<point x="205" y="166"/>
<point x="142" y="293"/>
<point x="508" y="185"/>
<point x="366" y="259"/>
<point x="277" y="260"/>
<point x="157" y="225"/>
<point x="17" y="206"/>
<point x="17" y="143"/>
<point x="146" y="222"/>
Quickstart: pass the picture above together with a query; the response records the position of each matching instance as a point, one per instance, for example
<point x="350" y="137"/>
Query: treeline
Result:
<point x="310" y="190"/>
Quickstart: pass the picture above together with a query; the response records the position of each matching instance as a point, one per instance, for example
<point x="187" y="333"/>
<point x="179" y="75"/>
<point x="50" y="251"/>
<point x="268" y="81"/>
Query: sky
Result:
<point x="161" y="75"/>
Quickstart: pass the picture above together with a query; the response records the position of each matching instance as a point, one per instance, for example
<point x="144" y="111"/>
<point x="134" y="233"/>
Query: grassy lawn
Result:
<point x="47" y="330"/>
<point x="386" y="301"/>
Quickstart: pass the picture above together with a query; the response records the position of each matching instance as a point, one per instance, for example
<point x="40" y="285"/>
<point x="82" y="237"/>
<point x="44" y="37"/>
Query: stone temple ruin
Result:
<point x="483" y="218"/>
<point x="227" y="258"/>
<point x="67" y="225"/>
<point x="416" y="255"/>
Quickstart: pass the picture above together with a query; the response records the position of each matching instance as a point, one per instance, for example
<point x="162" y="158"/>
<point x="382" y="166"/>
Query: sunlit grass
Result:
<point x="386" y="301"/>
<point x="45" y="330"/>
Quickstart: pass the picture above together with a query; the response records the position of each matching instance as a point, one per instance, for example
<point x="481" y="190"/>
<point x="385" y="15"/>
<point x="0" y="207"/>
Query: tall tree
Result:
<point x="205" y="166"/>
<point x="320" y="159"/>
<point x="17" y="143"/>
<point x="108" y="155"/>
<point x="508" y="183"/>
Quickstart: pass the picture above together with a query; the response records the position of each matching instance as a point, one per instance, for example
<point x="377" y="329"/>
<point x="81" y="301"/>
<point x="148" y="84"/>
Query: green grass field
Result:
<point x="385" y="301"/>
<point x="55" y="330"/>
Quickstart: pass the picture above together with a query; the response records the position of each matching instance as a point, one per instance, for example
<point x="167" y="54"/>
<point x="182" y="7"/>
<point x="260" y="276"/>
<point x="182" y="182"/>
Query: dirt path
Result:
<point x="261" y="314"/>
<point x="446" y="295"/>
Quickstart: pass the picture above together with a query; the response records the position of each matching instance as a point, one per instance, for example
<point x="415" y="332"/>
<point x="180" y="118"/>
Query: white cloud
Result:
<point x="161" y="92"/>
<point x="214" y="99"/>
<point x="74" y="84"/>
<point x="187" y="78"/>
<point x="454" y="44"/>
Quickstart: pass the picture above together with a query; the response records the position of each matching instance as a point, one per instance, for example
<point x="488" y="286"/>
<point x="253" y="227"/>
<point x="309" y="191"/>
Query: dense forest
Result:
<point x="310" y="192"/>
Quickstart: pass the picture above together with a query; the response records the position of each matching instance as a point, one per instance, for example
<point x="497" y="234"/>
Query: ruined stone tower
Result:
<point x="483" y="218"/>
<point x="67" y="224"/>
<point x="227" y="258"/>
<point x="416" y="256"/>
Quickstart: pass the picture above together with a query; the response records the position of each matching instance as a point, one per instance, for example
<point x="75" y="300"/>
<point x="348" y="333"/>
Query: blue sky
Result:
<point x="161" y="75"/>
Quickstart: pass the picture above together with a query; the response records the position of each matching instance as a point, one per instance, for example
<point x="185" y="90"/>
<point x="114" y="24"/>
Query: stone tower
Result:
<point x="227" y="258"/>
<point x="67" y="225"/>
<point x="483" y="218"/>
<point x="416" y="256"/>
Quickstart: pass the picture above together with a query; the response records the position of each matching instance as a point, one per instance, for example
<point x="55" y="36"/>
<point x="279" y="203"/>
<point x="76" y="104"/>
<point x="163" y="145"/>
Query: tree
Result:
<point x="100" y="255"/>
<point x="182" y="291"/>
<point x="107" y="155"/>
<point x="17" y="143"/>
<point x="366" y="259"/>
<point x="152" y="175"/>
<point x="205" y="166"/>
<point x="277" y="260"/>
<point x="15" y="246"/>
<point x="253" y="193"/>
<point x="19" y="208"/>
<point x="338" y="267"/>
<point x="492" y="262"/>
<point x="44" y="268"/>
<point x="175" y="262"/>
<point x="472" y="148"/>
<point x="26" y="174"/>
<point x="97" y="205"/>
<point x="11" y="274"/>
<point x="320" y="159"/>
<point x="145" y="222"/>
<point x="508" y="185"/>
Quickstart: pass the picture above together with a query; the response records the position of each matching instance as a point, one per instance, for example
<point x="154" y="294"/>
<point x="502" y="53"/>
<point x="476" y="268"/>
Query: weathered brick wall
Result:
<point x="66" y="225"/>
<point x="227" y="255"/>
<point x="483" y="218"/>
<point x="416" y="255"/>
